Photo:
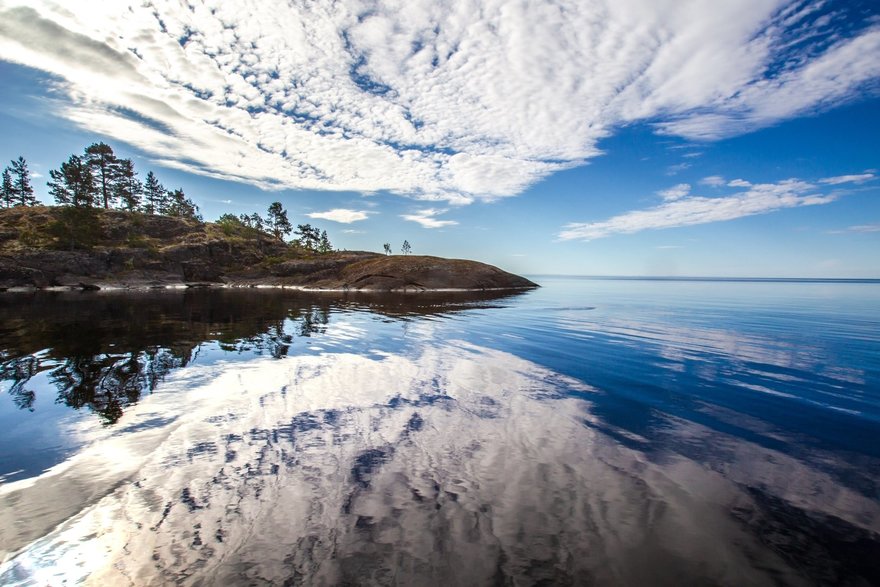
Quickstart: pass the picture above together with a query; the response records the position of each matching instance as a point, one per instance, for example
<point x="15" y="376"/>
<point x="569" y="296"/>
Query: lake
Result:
<point x="590" y="432"/>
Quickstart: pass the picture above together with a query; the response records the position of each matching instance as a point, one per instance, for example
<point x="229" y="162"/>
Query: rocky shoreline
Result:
<point x="139" y="252"/>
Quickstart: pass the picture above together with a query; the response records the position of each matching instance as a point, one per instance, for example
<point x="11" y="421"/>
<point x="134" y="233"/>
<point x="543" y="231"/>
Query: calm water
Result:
<point x="591" y="432"/>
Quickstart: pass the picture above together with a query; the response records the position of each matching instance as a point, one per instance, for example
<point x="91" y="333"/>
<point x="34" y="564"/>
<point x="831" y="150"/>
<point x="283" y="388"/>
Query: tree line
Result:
<point x="97" y="179"/>
<point x="100" y="179"/>
<point x="277" y="223"/>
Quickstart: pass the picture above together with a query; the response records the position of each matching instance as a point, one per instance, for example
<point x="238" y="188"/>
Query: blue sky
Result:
<point x="728" y="138"/>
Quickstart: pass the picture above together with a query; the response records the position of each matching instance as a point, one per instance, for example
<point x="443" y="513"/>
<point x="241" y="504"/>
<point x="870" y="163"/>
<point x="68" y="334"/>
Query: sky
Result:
<point x="731" y="138"/>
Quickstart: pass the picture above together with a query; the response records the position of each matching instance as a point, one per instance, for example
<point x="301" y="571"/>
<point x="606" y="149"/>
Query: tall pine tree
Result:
<point x="154" y="194"/>
<point x="277" y="220"/>
<point x="7" y="192"/>
<point x="324" y="246"/>
<point x="128" y="188"/>
<point x="21" y="183"/>
<point x="105" y="169"/>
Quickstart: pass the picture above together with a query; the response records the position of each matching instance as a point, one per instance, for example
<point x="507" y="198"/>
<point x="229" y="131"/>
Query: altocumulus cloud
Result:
<point x="448" y="101"/>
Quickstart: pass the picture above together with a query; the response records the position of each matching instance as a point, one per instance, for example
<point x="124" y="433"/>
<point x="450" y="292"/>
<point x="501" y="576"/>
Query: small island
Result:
<point x="63" y="247"/>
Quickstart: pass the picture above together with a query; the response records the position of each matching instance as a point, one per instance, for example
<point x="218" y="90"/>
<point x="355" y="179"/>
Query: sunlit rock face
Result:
<point x="444" y="465"/>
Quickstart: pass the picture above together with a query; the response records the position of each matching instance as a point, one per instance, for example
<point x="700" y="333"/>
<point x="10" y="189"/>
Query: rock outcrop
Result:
<point x="43" y="247"/>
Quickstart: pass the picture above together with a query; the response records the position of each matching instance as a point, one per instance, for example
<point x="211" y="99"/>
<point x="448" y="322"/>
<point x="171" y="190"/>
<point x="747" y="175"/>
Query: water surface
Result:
<point x="594" y="432"/>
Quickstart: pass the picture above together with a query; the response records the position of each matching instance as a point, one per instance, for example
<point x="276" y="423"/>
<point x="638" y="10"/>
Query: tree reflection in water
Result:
<point x="103" y="351"/>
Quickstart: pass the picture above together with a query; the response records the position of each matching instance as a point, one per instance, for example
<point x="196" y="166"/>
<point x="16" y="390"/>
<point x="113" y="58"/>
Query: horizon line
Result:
<point x="710" y="278"/>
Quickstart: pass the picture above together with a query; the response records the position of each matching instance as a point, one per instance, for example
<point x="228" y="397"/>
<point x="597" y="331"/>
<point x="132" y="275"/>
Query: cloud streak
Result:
<point x="341" y="215"/>
<point x="427" y="218"/>
<point x="855" y="178"/>
<point x="859" y="229"/>
<point x="446" y="102"/>
<point x="691" y="210"/>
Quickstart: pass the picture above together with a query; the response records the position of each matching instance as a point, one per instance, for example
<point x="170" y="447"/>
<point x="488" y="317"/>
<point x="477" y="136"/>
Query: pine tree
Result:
<point x="178" y="205"/>
<point x="406" y="248"/>
<point x="325" y="246"/>
<point x="154" y="194"/>
<point x="105" y="169"/>
<point x="128" y="188"/>
<point x="387" y="248"/>
<point x="7" y="192"/>
<point x="21" y="183"/>
<point x="277" y="220"/>
<point x="309" y="237"/>
<point x="73" y="185"/>
<point x="253" y="221"/>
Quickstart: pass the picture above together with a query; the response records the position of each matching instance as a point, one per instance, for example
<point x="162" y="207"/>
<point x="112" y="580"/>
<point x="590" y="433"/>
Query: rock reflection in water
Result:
<point x="103" y="351"/>
<point x="449" y="464"/>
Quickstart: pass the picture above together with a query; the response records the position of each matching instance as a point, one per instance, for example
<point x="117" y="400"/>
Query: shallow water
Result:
<point x="593" y="432"/>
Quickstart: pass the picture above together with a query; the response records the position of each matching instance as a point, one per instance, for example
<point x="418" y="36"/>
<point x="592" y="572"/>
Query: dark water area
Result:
<point x="591" y="432"/>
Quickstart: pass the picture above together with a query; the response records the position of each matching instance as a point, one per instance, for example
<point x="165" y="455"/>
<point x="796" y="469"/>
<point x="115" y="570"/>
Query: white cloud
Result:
<point x="352" y="231"/>
<point x="839" y="179"/>
<point x="758" y="199"/>
<point x="860" y="228"/>
<point x="341" y="215"/>
<point x="450" y="102"/>
<point x="676" y="192"/>
<point x="739" y="183"/>
<point x="426" y="218"/>
<point x="677" y="168"/>
<point x="714" y="181"/>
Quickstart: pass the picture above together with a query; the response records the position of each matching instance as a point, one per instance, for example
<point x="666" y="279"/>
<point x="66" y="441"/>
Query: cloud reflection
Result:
<point x="446" y="464"/>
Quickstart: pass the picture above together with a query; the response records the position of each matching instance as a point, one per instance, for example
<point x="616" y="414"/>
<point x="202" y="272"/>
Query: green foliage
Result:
<point x="387" y="247"/>
<point x="21" y="183"/>
<point x="277" y="220"/>
<point x="177" y="205"/>
<point x="73" y="184"/>
<point x="76" y="227"/>
<point x="230" y="224"/>
<point x="324" y="245"/>
<point x="16" y="188"/>
<point x="254" y="221"/>
<point x="154" y="194"/>
<point x="7" y="192"/>
<point x="406" y="248"/>
<point x="105" y="169"/>
<point x="309" y="237"/>
<point x="127" y="189"/>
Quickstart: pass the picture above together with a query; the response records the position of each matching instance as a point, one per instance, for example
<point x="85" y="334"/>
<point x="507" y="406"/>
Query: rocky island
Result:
<point x="53" y="247"/>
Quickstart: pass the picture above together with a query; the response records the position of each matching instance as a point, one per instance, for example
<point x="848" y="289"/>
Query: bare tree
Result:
<point x="406" y="249"/>
<point x="387" y="248"/>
